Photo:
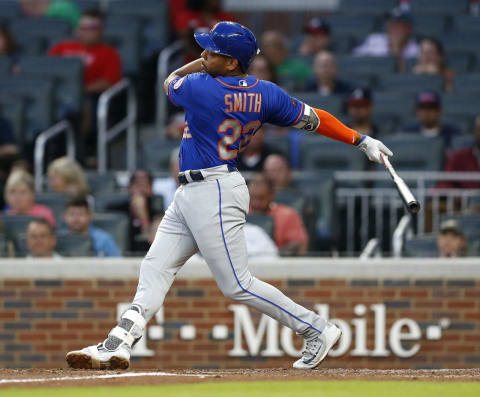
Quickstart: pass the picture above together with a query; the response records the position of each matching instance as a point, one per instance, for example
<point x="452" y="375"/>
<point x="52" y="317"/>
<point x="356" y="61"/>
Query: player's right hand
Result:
<point x="373" y="148"/>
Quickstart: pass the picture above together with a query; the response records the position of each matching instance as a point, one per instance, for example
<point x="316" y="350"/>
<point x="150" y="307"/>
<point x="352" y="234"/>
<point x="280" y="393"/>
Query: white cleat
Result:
<point x="317" y="348"/>
<point x="98" y="357"/>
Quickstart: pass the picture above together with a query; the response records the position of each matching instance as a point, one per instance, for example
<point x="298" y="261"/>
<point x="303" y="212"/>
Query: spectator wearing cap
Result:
<point x="359" y="110"/>
<point x="78" y="218"/>
<point x="451" y="241"/>
<point x="464" y="160"/>
<point x="431" y="60"/>
<point x="429" y="119"/>
<point x="317" y="37"/>
<point x="396" y="41"/>
<point x="291" y="72"/>
<point x="325" y="77"/>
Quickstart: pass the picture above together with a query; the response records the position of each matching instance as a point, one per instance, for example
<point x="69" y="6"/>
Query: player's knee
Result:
<point x="234" y="293"/>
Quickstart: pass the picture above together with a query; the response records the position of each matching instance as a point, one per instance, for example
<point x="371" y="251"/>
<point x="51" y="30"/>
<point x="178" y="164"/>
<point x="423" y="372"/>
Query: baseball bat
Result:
<point x="411" y="203"/>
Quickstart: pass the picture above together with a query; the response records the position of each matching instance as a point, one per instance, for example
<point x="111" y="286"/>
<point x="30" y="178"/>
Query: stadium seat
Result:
<point x="412" y="83"/>
<point x="429" y="25"/>
<point x="106" y="201"/>
<point x="410" y="154"/>
<point x="445" y="7"/>
<point x="152" y="15"/>
<point x="86" y="4"/>
<point x="9" y="10"/>
<point x="13" y="108"/>
<point x="3" y="247"/>
<point x="74" y="245"/>
<point x="464" y="41"/>
<point x="463" y="141"/>
<point x="101" y="183"/>
<point x="55" y="201"/>
<point x="264" y="221"/>
<point x="365" y="65"/>
<point x="156" y="154"/>
<point x="460" y="104"/>
<point x="67" y="74"/>
<point x="124" y="34"/>
<point x="4" y="66"/>
<point x="421" y="247"/>
<point x="373" y="7"/>
<point x="332" y="103"/>
<point x="42" y="32"/>
<point x="38" y="96"/>
<point x="15" y="231"/>
<point x="460" y="61"/>
<point x="466" y="23"/>
<point x="115" y="224"/>
<point x="295" y="199"/>
<point x="279" y="144"/>
<point x="467" y="82"/>
<point x="352" y="25"/>
<point x="395" y="104"/>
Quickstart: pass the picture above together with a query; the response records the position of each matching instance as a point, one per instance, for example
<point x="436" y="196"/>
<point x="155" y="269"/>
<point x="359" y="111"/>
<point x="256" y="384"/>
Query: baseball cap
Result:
<point x="451" y="225"/>
<point x="400" y="15"/>
<point x="428" y="98"/>
<point x="360" y="97"/>
<point x="317" y="25"/>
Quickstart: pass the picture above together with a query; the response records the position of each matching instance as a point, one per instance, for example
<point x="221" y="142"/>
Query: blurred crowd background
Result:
<point x="406" y="72"/>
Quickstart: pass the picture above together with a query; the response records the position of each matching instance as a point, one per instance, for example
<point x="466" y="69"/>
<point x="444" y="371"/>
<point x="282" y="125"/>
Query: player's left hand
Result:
<point x="373" y="148"/>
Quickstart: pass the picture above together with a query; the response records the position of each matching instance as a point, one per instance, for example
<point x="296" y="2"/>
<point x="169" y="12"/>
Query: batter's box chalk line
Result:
<point x="108" y="376"/>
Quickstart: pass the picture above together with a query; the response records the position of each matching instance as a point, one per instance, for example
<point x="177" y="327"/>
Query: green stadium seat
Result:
<point x="421" y="247"/>
<point x="124" y="34"/>
<point x="38" y="94"/>
<point x="74" y="245"/>
<point x="411" y="83"/>
<point x="264" y="221"/>
<point x="67" y="74"/>
<point x="115" y="224"/>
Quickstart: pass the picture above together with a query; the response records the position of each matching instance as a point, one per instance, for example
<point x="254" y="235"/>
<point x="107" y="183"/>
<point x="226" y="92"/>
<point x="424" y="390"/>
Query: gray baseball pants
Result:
<point x="208" y="216"/>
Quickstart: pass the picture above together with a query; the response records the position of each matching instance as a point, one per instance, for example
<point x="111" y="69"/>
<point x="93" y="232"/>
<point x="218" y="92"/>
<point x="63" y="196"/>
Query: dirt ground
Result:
<point x="68" y="378"/>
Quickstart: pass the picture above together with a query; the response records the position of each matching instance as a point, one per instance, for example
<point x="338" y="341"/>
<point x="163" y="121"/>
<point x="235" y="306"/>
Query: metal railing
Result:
<point x="41" y="142"/>
<point x="376" y="212"/>
<point x="163" y="70"/>
<point x="128" y="123"/>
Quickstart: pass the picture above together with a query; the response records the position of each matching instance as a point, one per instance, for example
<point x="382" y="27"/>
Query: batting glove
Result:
<point x="372" y="148"/>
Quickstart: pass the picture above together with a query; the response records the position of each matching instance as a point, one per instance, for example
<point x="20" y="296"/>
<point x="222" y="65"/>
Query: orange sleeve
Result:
<point x="333" y="128"/>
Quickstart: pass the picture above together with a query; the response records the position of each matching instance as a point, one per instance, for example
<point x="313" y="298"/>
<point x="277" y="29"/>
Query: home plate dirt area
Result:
<point x="68" y="378"/>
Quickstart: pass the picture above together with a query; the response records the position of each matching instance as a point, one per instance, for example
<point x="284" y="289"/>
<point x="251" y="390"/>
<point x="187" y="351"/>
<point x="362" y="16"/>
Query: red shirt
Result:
<point x="102" y="62"/>
<point x="463" y="160"/>
<point x="288" y="225"/>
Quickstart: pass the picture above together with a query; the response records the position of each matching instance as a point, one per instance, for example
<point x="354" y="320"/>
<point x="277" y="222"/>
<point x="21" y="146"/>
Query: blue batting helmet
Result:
<point x="231" y="39"/>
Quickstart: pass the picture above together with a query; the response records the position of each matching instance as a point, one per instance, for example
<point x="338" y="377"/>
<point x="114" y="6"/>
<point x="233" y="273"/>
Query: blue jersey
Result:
<point x="223" y="113"/>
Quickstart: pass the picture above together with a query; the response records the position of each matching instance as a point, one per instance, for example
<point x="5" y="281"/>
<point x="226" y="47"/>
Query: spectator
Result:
<point x="289" y="231"/>
<point x="317" y="37"/>
<point x="429" y="116"/>
<point x="263" y="69"/>
<point x="397" y="41"/>
<point x="66" y="176"/>
<point x="278" y="172"/>
<point x="359" y="110"/>
<point x="78" y="218"/>
<point x="325" y="76"/>
<point x="103" y="67"/>
<point x="431" y="60"/>
<point x="166" y="187"/>
<point x="41" y="240"/>
<point x="7" y="43"/>
<point x="290" y="72"/>
<point x="252" y="156"/>
<point x="140" y="209"/>
<point x="451" y="241"/>
<point x="20" y="198"/>
<point x="64" y="10"/>
<point x="196" y="15"/>
<point x="34" y="8"/>
<point x="465" y="160"/>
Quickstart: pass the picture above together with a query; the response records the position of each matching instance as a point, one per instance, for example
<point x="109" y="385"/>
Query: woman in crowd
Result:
<point x="66" y="176"/>
<point x="20" y="198"/>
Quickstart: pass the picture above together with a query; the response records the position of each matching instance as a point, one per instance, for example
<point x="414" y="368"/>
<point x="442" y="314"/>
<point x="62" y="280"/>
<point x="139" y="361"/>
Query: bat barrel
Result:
<point x="413" y="206"/>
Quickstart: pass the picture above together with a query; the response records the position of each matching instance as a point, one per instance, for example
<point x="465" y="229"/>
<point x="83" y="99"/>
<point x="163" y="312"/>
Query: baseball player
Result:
<point x="224" y="108"/>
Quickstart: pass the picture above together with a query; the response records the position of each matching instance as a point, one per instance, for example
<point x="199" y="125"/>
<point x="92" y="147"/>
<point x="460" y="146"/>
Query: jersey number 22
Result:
<point x="234" y="131"/>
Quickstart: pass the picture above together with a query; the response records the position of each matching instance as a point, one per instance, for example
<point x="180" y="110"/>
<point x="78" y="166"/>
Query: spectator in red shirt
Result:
<point x="103" y="67"/>
<point x="464" y="160"/>
<point x="289" y="231"/>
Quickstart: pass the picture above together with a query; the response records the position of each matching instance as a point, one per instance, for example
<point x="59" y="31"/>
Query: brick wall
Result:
<point x="41" y="319"/>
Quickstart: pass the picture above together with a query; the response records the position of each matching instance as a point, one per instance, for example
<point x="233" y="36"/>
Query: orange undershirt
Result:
<point x="333" y="128"/>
